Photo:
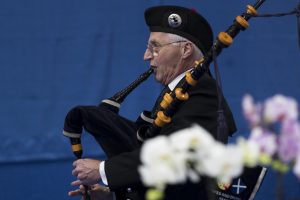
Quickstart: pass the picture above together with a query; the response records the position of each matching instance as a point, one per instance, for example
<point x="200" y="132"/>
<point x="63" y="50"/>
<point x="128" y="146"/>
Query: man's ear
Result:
<point x="187" y="50"/>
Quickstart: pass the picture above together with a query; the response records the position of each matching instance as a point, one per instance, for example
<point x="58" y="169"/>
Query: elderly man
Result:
<point x="178" y="37"/>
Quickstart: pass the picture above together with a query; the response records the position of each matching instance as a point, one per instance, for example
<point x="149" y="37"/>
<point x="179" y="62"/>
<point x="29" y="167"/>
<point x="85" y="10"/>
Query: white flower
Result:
<point x="222" y="162"/>
<point x="161" y="163"/>
<point x="187" y="143"/>
<point x="279" y="108"/>
<point x="161" y="175"/>
<point x="194" y="137"/>
<point x="231" y="164"/>
<point x="154" y="149"/>
<point x="193" y="175"/>
<point x="250" y="151"/>
<point x="208" y="160"/>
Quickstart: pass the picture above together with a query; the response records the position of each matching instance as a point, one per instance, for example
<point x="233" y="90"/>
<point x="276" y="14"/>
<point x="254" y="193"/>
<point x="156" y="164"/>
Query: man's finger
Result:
<point x="74" y="172"/>
<point x="82" y="188"/>
<point x="75" y="163"/>
<point x="76" y="183"/>
<point x="75" y="193"/>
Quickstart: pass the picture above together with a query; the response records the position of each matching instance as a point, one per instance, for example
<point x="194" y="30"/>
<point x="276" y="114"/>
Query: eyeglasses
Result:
<point x="155" y="48"/>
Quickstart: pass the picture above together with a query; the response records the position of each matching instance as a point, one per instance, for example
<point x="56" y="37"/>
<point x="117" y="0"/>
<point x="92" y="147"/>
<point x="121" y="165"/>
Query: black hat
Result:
<point x="181" y="21"/>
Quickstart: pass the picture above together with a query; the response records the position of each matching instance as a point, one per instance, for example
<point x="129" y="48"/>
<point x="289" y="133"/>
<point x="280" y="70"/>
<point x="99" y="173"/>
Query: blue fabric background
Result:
<point x="57" y="54"/>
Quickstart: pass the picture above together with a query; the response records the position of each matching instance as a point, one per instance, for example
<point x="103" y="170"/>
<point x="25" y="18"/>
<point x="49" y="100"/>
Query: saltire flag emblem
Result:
<point x="238" y="186"/>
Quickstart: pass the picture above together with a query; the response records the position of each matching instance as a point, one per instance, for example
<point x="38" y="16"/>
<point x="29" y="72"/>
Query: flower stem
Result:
<point x="210" y="187"/>
<point x="280" y="186"/>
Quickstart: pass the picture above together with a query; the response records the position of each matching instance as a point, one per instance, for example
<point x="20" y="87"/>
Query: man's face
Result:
<point x="164" y="57"/>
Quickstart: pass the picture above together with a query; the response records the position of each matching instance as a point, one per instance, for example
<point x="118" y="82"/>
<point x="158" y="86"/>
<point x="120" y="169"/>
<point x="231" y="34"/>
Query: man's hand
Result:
<point x="86" y="171"/>
<point x="96" y="192"/>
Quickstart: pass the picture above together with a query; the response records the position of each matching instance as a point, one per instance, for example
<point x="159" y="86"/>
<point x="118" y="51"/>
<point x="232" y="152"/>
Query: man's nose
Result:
<point x="147" y="55"/>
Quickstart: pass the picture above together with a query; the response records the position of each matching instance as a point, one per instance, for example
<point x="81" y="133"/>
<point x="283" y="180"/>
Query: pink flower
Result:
<point x="280" y="108"/>
<point x="251" y="111"/>
<point x="289" y="141"/>
<point x="265" y="139"/>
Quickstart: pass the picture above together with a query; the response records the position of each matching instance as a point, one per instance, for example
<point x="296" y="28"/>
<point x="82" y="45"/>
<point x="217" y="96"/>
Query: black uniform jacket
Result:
<point x="200" y="108"/>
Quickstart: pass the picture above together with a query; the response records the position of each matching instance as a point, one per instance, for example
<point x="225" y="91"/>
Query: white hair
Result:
<point x="197" y="52"/>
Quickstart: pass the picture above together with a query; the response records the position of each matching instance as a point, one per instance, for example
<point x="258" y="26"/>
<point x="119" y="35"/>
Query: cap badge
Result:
<point x="174" y="20"/>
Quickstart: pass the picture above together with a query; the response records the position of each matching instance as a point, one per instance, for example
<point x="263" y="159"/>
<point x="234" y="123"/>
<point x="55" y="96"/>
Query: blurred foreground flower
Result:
<point x="191" y="152"/>
<point x="186" y="154"/>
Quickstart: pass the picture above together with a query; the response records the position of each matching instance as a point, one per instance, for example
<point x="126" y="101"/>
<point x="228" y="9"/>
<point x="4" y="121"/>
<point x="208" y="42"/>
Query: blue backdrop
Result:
<point x="57" y="54"/>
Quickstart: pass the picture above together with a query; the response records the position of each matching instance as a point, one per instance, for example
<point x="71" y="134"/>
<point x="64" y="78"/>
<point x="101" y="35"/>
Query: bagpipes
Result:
<point x="79" y="116"/>
<point x="243" y="187"/>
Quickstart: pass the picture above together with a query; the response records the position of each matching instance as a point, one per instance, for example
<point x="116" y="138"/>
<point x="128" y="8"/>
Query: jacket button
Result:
<point x="129" y="190"/>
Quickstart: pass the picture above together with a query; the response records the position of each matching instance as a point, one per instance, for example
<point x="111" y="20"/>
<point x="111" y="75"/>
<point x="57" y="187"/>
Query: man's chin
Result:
<point x="158" y="79"/>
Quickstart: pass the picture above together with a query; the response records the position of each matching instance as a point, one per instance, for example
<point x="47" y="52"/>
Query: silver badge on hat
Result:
<point x="174" y="20"/>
